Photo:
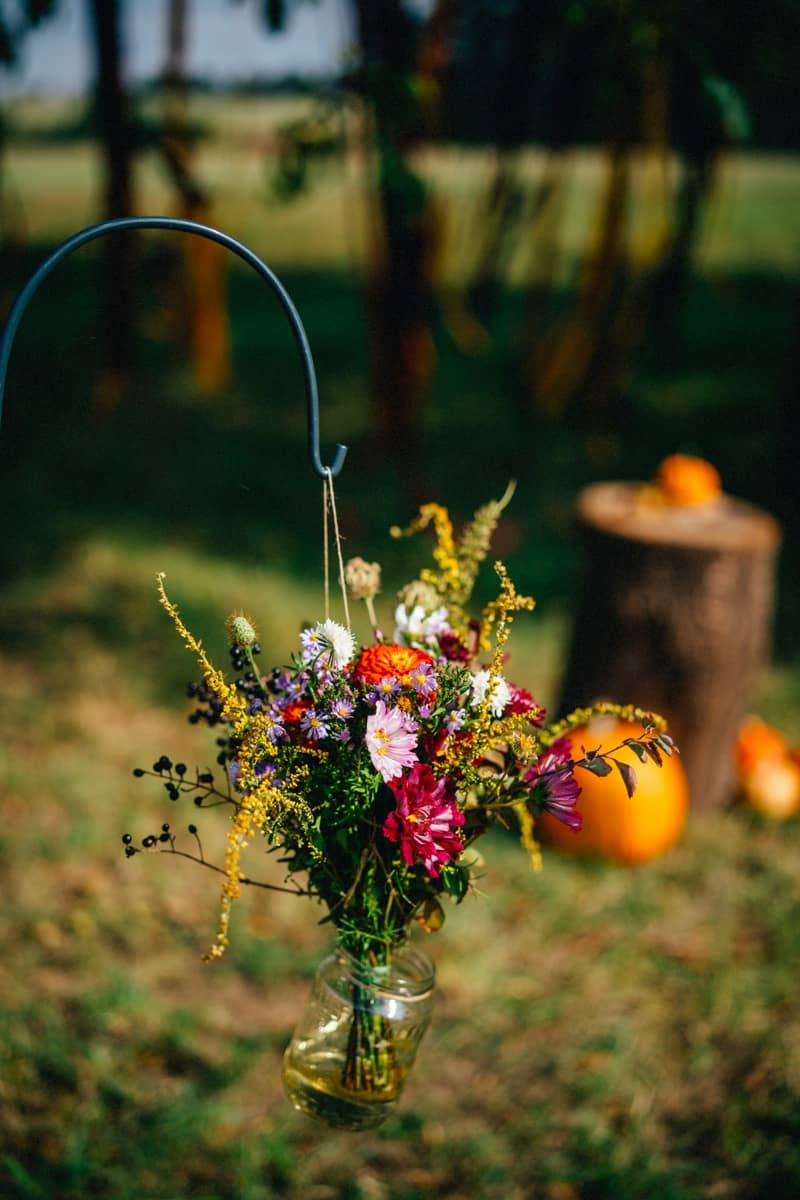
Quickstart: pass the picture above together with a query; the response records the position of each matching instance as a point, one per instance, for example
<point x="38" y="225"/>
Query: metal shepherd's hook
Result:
<point x="214" y="235"/>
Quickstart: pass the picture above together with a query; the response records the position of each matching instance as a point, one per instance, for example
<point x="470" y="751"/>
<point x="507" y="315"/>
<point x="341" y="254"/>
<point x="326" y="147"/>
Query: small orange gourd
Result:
<point x="683" y="479"/>
<point x="768" y="770"/>
<point x="626" y="829"/>
<point x="757" y="741"/>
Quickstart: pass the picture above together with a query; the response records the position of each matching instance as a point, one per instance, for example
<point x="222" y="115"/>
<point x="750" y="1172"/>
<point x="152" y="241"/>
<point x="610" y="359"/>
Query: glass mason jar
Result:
<point x="356" y="1041"/>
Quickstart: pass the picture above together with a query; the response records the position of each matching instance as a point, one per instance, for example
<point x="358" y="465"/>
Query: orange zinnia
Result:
<point x="382" y="659"/>
<point x="294" y="711"/>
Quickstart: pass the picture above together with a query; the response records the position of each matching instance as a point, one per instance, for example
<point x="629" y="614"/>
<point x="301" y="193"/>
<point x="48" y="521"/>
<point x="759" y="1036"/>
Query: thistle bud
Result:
<point x="363" y="579"/>
<point x="419" y="594"/>
<point x="240" y="630"/>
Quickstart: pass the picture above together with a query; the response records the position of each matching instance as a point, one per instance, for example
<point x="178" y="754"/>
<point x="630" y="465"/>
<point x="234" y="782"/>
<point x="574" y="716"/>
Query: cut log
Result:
<point x="674" y="614"/>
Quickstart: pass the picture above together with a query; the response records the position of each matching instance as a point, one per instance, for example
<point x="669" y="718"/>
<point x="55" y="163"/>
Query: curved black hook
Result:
<point x="214" y="235"/>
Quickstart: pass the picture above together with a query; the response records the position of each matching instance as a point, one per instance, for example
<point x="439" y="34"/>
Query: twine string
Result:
<point x="338" y="539"/>
<point x="326" y="573"/>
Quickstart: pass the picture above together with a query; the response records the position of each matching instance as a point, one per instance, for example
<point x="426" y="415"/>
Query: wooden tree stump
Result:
<point x="674" y="614"/>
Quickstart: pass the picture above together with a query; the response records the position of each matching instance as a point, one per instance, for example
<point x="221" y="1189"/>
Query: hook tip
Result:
<point x="338" y="459"/>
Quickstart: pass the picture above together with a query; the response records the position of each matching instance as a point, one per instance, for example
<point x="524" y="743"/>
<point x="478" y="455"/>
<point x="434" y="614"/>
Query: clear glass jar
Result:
<point x="356" y="1041"/>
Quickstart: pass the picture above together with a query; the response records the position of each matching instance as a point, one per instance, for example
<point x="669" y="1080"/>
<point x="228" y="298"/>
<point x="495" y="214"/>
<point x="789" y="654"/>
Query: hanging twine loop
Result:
<point x="328" y="497"/>
<point x="326" y="566"/>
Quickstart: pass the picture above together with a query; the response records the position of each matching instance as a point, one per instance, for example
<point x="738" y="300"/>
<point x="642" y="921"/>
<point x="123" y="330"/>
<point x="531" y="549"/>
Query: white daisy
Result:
<point x="328" y="644"/>
<point x="500" y="694"/>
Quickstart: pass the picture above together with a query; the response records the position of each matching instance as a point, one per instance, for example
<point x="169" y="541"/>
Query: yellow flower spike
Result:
<point x="457" y="562"/>
<point x="241" y="826"/>
<point x="475" y="540"/>
<point x="500" y="613"/>
<point x="629" y="713"/>
<point x="213" y="677"/>
<point x="447" y="580"/>
<point x="256" y="813"/>
<point x="526" y="837"/>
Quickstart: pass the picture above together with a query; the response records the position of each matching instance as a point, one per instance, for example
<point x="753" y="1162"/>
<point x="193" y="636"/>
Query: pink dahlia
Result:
<point x="553" y="779"/>
<point x="391" y="743"/>
<point x="426" y="821"/>
<point x="522" y="702"/>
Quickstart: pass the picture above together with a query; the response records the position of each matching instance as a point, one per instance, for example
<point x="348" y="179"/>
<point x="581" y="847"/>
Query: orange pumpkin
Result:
<point x="683" y="479"/>
<point x="625" y="829"/>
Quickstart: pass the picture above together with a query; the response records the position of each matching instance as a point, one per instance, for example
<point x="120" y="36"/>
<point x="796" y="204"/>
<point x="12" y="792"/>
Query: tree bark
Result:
<point x="674" y="615"/>
<point x="399" y="287"/>
<point x="117" y="338"/>
<point x="201" y="324"/>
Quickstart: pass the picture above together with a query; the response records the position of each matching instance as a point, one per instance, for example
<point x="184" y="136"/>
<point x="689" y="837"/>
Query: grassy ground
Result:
<point x="599" y="1033"/>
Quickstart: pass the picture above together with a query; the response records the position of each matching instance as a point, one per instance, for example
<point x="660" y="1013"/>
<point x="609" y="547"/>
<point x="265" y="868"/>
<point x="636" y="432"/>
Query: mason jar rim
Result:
<point x="410" y="972"/>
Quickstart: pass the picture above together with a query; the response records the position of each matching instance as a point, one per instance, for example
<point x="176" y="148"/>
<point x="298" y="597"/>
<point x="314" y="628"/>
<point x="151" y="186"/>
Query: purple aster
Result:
<point x="387" y="688"/>
<point x="455" y="720"/>
<point x="342" y="708"/>
<point x="313" y="725"/>
<point x="296" y="686"/>
<point x="281" y="681"/>
<point x="265" y="769"/>
<point x="423" y="679"/>
<point x="313" y="643"/>
<point x="275" y="729"/>
<point x="289" y="689"/>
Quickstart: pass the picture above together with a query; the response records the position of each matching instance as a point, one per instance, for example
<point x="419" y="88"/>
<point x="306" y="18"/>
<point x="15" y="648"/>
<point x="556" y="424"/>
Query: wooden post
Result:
<point x="674" y="614"/>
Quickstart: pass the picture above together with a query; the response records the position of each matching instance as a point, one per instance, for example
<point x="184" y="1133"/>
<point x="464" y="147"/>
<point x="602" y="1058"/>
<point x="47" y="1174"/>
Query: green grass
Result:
<point x="599" y="1033"/>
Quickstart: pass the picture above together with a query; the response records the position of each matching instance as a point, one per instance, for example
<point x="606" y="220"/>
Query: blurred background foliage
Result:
<point x="554" y="242"/>
<point x="540" y="229"/>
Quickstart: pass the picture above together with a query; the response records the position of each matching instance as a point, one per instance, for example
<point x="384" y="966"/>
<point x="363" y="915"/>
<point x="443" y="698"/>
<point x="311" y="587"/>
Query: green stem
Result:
<point x="251" y="659"/>
<point x="370" y="1062"/>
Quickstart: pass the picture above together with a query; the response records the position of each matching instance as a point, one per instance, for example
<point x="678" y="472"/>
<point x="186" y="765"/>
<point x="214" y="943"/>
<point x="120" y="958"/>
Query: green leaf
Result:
<point x="653" y="752"/>
<point x="455" y="881"/>
<point x="637" y="748"/>
<point x="628" y="775"/>
<point x="666" y="743"/>
<point x="597" y="766"/>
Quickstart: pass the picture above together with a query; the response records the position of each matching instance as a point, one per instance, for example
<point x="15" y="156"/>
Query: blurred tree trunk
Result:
<point x="559" y="360"/>
<point x="11" y="235"/>
<point x="781" y="490"/>
<point x="117" y="140"/>
<point x="399" y="287"/>
<point x="674" y="614"/>
<point x="199" y="314"/>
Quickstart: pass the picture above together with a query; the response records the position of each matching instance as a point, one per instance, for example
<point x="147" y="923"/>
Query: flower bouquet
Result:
<point x="372" y="770"/>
